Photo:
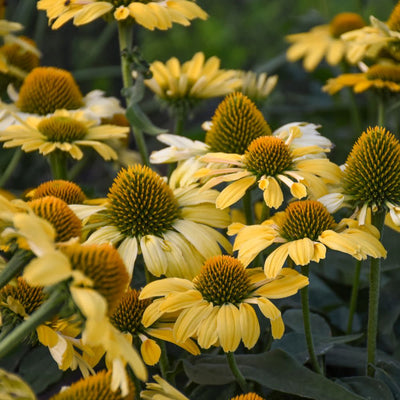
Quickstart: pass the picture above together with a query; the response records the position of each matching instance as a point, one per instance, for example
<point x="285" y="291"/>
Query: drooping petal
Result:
<point x="274" y="262"/>
<point x="250" y="328"/>
<point x="228" y="327"/>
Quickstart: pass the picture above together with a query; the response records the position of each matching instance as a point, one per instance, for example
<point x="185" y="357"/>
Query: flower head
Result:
<point x="67" y="191"/>
<point x="128" y="319"/>
<point x="183" y="85"/>
<point x="172" y="225"/>
<point x="215" y="307"/>
<point x="381" y="77"/>
<point x="323" y="41"/>
<point x="303" y="232"/>
<point x="161" y="390"/>
<point x="64" y="131"/>
<point x="248" y="396"/>
<point x="257" y="87"/>
<point x="150" y="14"/>
<point x="270" y="162"/>
<point x="95" y="387"/>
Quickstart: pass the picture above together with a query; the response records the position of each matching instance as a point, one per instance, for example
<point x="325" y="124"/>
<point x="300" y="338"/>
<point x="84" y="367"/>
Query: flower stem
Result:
<point x="373" y="301"/>
<point x="164" y="362"/>
<point x="44" y="313"/>
<point x="180" y="119"/>
<point x="58" y="165"/>
<point x="11" y="166"/>
<point x="136" y="382"/>
<point x="307" y="322"/>
<point x="125" y="34"/>
<point x="236" y="372"/>
<point x="247" y="208"/>
<point x="354" y="296"/>
<point x="381" y="111"/>
<point x="15" y="266"/>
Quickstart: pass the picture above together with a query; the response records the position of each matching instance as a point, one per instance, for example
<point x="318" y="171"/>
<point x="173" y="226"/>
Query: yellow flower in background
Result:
<point x="248" y="396"/>
<point x="95" y="387"/>
<point x="128" y="319"/>
<point x="371" y="178"/>
<point x="191" y="81"/>
<point x="13" y="387"/>
<point x="215" y="307"/>
<point x="257" y="86"/>
<point x="149" y="14"/>
<point x="64" y="131"/>
<point x="161" y="390"/>
<point x="323" y="41"/>
<point x="382" y="77"/>
<point x="48" y="89"/>
<point x="303" y="232"/>
<point x="172" y="224"/>
<point x="270" y="162"/>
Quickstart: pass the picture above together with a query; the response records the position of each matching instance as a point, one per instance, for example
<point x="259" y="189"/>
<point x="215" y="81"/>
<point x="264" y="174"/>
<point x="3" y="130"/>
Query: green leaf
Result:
<point x="369" y="388"/>
<point x="275" y="370"/>
<point x="39" y="369"/>
<point x="389" y="373"/>
<point x="295" y="344"/>
<point x="294" y="320"/>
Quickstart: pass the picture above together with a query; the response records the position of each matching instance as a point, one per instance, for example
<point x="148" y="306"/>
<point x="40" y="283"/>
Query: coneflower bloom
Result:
<point x="215" y="307"/>
<point x="303" y="232"/>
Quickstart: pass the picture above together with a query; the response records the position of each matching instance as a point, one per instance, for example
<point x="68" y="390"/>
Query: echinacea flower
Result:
<point x="302" y="232"/>
<point x="257" y="87"/>
<point x="172" y="225"/>
<point x="215" y="307"/>
<point x="270" y="162"/>
<point x="97" y="387"/>
<point x="47" y="89"/>
<point x="64" y="131"/>
<point x="381" y="77"/>
<point x="161" y="390"/>
<point x="186" y="84"/>
<point x="371" y="177"/>
<point x="67" y="191"/>
<point x="127" y="317"/>
<point x="323" y="41"/>
<point x="248" y="396"/>
<point x="150" y="14"/>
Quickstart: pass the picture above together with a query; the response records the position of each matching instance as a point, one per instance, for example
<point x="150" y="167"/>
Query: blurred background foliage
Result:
<point x="249" y="35"/>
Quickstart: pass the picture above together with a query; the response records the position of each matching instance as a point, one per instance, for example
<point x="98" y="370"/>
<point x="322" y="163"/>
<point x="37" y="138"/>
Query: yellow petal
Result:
<point x="234" y="192"/>
<point x="207" y="333"/>
<point x="228" y="327"/>
<point x="272" y="194"/>
<point x="301" y="251"/>
<point x="162" y="287"/>
<point x="274" y="262"/>
<point x="250" y="328"/>
<point x="274" y="315"/>
<point x="151" y="352"/>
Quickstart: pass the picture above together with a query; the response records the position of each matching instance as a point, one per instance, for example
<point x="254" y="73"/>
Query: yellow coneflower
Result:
<point x="257" y="86"/>
<point x="20" y="61"/>
<point x="215" y="307"/>
<point x="150" y="14"/>
<point x="270" y="162"/>
<point x="128" y="319"/>
<point x="185" y="84"/>
<point x="172" y="225"/>
<point x="95" y="387"/>
<point x="66" y="224"/>
<point x="303" y="232"/>
<point x="382" y="77"/>
<point x="371" y="177"/>
<point x="64" y="131"/>
<point x="67" y="191"/>
<point x="248" y="396"/>
<point x="324" y="41"/>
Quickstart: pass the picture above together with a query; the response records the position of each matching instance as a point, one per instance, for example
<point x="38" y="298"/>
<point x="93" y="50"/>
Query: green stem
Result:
<point x="11" y="167"/>
<point x="354" y="296"/>
<point x="381" y="111"/>
<point x="248" y="208"/>
<point x="136" y="382"/>
<point x="307" y="322"/>
<point x="236" y="372"/>
<point x="265" y="212"/>
<point x="373" y="301"/>
<point x="15" y="266"/>
<point x="164" y="362"/>
<point x="180" y="120"/>
<point x="44" y="313"/>
<point x="125" y="34"/>
<point x="58" y="165"/>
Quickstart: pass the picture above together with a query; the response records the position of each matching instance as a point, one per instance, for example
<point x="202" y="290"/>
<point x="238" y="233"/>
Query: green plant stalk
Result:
<point x="125" y="34"/>
<point x="11" y="167"/>
<point x="44" y="313"/>
<point x="15" y="266"/>
<point x="381" y="111"/>
<point x="378" y="220"/>
<point x="58" y="165"/>
<point x="236" y="372"/>
<point x="164" y="362"/>
<point x="307" y="322"/>
<point x="180" y="119"/>
<point x="354" y="296"/>
<point x="248" y="207"/>
<point x="136" y="382"/>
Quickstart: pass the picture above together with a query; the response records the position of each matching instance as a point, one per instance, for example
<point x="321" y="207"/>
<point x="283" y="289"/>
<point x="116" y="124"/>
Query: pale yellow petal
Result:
<point x="228" y="327"/>
<point x="301" y="251"/>
<point x="234" y="192"/>
<point x="250" y="328"/>
<point x="274" y="262"/>
<point x="207" y="333"/>
<point x="151" y="352"/>
<point x="162" y="287"/>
